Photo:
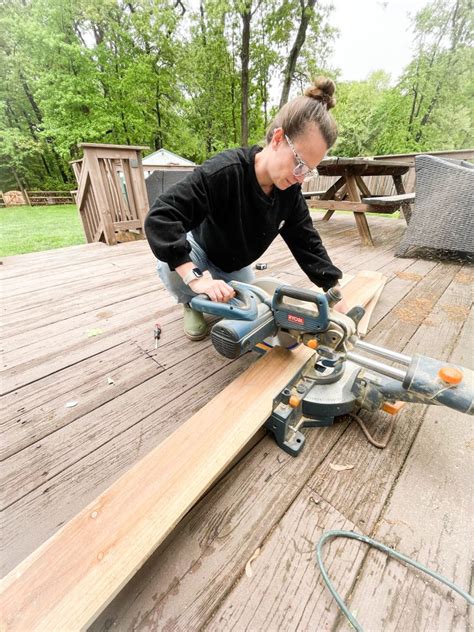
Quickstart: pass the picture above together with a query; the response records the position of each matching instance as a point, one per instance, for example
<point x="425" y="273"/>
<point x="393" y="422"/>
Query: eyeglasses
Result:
<point x="301" y="170"/>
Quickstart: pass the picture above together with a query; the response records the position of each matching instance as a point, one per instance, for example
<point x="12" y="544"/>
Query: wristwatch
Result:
<point x="195" y="273"/>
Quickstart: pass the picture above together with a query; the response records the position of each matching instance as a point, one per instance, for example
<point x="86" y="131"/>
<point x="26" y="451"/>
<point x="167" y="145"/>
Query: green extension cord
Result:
<point x="378" y="545"/>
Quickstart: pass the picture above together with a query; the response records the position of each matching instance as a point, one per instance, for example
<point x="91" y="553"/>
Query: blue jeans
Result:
<point x="182" y="293"/>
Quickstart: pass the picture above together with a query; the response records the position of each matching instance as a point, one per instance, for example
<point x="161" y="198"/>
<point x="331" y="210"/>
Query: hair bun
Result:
<point x="322" y="90"/>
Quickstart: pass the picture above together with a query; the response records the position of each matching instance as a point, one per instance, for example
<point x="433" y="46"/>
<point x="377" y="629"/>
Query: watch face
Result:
<point x="197" y="273"/>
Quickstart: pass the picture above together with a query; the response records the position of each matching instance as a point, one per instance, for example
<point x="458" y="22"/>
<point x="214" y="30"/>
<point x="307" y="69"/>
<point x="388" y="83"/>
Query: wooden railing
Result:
<point x="35" y="198"/>
<point x="43" y="198"/>
<point x="111" y="194"/>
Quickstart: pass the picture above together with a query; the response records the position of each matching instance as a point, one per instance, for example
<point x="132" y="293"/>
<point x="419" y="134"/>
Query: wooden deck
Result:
<point x="86" y="396"/>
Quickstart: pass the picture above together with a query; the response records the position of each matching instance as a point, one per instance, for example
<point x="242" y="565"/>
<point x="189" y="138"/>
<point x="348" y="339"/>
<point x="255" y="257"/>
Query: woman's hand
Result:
<point x="341" y="306"/>
<point x="217" y="290"/>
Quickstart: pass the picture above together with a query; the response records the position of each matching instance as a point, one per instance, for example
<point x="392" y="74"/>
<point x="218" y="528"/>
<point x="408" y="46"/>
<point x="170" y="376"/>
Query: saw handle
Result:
<point x="296" y="317"/>
<point x="242" y="307"/>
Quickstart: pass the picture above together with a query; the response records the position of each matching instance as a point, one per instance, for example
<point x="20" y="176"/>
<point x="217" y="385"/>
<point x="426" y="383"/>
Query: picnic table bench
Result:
<point x="351" y="193"/>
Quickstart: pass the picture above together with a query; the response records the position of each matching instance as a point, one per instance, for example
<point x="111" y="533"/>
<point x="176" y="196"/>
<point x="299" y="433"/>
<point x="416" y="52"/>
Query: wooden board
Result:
<point x="67" y="582"/>
<point x="339" y="205"/>
<point x="364" y="290"/>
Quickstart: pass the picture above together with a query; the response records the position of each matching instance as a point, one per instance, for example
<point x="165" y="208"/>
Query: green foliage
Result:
<point x="361" y="114"/>
<point x="159" y="73"/>
<point x="438" y="83"/>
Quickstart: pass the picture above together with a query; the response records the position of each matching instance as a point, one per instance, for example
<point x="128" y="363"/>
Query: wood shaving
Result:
<point x="110" y="380"/>
<point x="340" y="468"/>
<point x="456" y="313"/>
<point x="414" y="310"/>
<point x="71" y="404"/>
<point x="464" y="278"/>
<point x="248" y="566"/>
<point x="408" y="276"/>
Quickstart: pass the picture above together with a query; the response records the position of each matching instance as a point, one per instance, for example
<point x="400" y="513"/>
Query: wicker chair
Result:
<point x="442" y="222"/>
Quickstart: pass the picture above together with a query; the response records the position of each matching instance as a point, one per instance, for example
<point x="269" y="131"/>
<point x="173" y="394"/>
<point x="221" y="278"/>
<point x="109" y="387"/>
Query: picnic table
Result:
<point x="351" y="193"/>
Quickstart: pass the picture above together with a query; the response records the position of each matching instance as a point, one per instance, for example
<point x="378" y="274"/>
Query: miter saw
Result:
<point x="337" y="380"/>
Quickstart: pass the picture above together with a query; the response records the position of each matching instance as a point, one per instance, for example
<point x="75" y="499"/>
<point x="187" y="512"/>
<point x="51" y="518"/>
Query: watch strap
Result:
<point x="190" y="276"/>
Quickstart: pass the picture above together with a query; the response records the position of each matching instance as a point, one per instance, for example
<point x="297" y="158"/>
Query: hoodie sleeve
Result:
<point x="307" y="248"/>
<point x="174" y="213"/>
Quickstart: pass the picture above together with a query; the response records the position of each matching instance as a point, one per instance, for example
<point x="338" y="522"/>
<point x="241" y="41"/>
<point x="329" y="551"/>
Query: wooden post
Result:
<point x="140" y="187"/>
<point x="98" y="186"/>
<point x="360" y="218"/>
<point x="406" y="207"/>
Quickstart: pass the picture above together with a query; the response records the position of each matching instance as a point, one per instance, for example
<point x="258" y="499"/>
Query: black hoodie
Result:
<point x="234" y="221"/>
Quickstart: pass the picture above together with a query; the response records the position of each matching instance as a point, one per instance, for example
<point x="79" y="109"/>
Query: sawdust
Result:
<point x="456" y="313"/>
<point x="465" y="278"/>
<point x="408" y="276"/>
<point x="431" y="323"/>
<point x="414" y="310"/>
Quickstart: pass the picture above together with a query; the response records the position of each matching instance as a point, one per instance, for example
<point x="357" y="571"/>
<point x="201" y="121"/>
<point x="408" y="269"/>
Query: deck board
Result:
<point x="57" y="459"/>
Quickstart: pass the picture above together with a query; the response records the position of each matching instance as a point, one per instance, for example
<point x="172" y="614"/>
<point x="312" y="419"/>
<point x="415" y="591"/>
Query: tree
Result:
<point x="438" y="82"/>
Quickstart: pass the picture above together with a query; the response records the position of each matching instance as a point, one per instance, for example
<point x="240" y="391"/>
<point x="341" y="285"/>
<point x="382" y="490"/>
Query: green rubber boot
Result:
<point x="195" y="325"/>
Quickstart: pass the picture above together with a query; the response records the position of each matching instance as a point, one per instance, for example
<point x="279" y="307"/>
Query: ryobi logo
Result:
<point x="295" y="319"/>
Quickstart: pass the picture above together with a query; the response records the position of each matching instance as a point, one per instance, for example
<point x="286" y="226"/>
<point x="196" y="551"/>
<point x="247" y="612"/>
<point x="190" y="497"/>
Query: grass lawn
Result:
<point x="33" y="228"/>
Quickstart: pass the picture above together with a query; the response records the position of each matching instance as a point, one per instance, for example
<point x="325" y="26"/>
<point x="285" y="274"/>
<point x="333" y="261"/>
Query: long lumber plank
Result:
<point x="68" y="581"/>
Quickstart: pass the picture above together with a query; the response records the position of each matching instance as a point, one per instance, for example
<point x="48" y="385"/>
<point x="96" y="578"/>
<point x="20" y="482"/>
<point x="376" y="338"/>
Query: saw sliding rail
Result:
<point x="380" y="367"/>
<point x="384" y="353"/>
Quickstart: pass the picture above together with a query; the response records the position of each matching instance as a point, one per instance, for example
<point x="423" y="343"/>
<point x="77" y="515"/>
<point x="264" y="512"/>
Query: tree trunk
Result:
<point x="30" y="97"/>
<point x="244" y="59"/>
<point x="20" y="186"/>
<point x="159" y="135"/>
<point x="306" y="12"/>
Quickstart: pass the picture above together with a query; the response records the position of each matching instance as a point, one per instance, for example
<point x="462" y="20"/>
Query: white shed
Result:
<point x="162" y="169"/>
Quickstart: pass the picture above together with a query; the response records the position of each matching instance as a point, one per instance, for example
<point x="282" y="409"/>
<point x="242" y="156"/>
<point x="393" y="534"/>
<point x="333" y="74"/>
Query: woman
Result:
<point x="209" y="228"/>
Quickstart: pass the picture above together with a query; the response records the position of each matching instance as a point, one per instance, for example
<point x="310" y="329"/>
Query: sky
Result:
<point x="374" y="35"/>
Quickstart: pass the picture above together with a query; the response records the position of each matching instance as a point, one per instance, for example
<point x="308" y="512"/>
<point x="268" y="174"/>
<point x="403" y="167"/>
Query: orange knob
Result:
<point x="312" y="344"/>
<point x="393" y="408"/>
<point x="450" y="374"/>
<point x="294" y="401"/>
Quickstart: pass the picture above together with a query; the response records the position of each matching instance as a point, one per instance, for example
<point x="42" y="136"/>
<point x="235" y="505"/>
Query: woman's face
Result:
<point x="310" y="148"/>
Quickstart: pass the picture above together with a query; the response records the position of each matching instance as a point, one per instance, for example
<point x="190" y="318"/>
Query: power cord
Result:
<point x="385" y="439"/>
<point x="378" y="545"/>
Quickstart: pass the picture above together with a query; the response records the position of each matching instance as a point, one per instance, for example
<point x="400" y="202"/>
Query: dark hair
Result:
<point x="312" y="107"/>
